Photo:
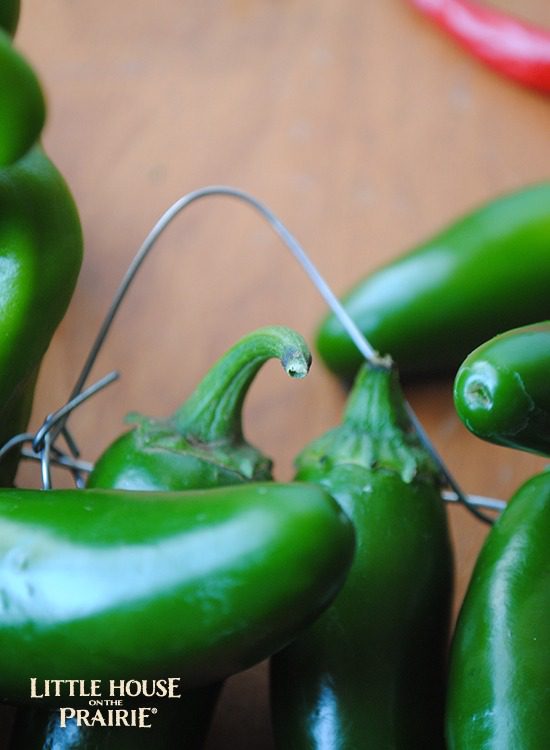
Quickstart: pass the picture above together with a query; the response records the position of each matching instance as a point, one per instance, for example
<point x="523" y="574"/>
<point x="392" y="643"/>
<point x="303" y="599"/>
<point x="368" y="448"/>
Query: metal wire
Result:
<point x="46" y="437"/>
<point x="60" y="459"/>
<point x="368" y="352"/>
<point x="480" y="501"/>
<point x="41" y="442"/>
<point x="289" y="240"/>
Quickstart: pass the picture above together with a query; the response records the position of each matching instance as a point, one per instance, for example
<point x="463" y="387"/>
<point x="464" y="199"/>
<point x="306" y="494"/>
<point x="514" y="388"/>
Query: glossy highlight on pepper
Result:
<point x="103" y="584"/>
<point x="500" y="659"/>
<point x="432" y="306"/>
<point x="41" y="253"/>
<point x="370" y="672"/>
<point x="201" y="445"/>
<point x="501" y="390"/>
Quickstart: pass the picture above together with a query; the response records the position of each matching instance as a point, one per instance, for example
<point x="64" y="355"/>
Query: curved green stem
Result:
<point x="213" y="412"/>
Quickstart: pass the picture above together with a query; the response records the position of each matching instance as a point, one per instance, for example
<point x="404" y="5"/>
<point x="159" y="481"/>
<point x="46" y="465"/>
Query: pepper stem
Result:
<point x="376" y="431"/>
<point x="213" y="413"/>
<point x="376" y="401"/>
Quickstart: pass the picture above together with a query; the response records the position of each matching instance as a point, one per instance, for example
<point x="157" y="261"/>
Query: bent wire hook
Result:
<point x="52" y="429"/>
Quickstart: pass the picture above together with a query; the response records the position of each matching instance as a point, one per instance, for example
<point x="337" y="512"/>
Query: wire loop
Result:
<point x="43" y="443"/>
<point x="42" y="446"/>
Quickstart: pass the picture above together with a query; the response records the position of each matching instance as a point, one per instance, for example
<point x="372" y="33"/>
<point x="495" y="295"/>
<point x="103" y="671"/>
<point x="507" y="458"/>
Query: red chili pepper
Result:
<point x="515" y="48"/>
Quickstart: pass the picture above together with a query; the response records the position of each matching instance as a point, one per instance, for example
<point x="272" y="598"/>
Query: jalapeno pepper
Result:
<point x="370" y="670"/>
<point x="501" y="390"/>
<point x="22" y="107"/>
<point x="40" y="257"/>
<point x="430" y="308"/>
<point x="509" y="45"/>
<point x="101" y="584"/>
<point x="201" y="445"/>
<point x="500" y="655"/>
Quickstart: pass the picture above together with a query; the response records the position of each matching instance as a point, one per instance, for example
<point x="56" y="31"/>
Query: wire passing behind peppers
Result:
<point x="433" y="305"/>
<point x="201" y="445"/>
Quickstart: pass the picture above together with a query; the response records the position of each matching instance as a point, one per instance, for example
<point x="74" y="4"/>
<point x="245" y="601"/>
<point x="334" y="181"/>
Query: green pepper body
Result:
<point x="500" y="655"/>
<point x="22" y="107"/>
<point x="40" y="257"/>
<point x="434" y="305"/>
<point x="101" y="584"/>
<point x="201" y="445"/>
<point x="9" y="15"/>
<point x="501" y="390"/>
<point x="369" y="673"/>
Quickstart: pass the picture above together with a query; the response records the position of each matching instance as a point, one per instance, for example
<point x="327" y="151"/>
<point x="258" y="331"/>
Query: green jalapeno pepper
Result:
<point x="110" y="584"/>
<point x="500" y="655"/>
<point x="9" y="15"/>
<point x="40" y="257"/>
<point x="201" y="445"/>
<point x="22" y="107"/>
<point x="501" y="389"/>
<point x="369" y="673"/>
<point x="434" y="305"/>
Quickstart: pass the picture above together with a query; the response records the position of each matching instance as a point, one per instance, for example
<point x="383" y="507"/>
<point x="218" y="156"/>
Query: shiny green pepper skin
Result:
<point x="101" y="584"/>
<point x="500" y="655"/>
<point x="40" y="257"/>
<point x="435" y="304"/>
<point x="370" y="672"/>
<point x="9" y="15"/>
<point x="201" y="445"/>
<point x="501" y="390"/>
<point x="22" y="106"/>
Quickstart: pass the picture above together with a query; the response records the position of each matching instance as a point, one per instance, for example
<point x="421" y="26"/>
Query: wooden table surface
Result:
<point x="358" y="123"/>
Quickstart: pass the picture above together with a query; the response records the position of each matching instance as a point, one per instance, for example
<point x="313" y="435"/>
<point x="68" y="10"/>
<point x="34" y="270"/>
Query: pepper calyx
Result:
<point x="152" y="435"/>
<point x="376" y="432"/>
<point x="203" y="441"/>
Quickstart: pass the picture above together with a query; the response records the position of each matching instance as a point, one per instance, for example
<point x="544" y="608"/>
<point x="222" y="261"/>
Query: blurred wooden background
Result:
<point x="358" y="123"/>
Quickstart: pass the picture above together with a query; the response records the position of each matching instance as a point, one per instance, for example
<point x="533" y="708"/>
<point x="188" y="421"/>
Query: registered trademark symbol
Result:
<point x="154" y="710"/>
